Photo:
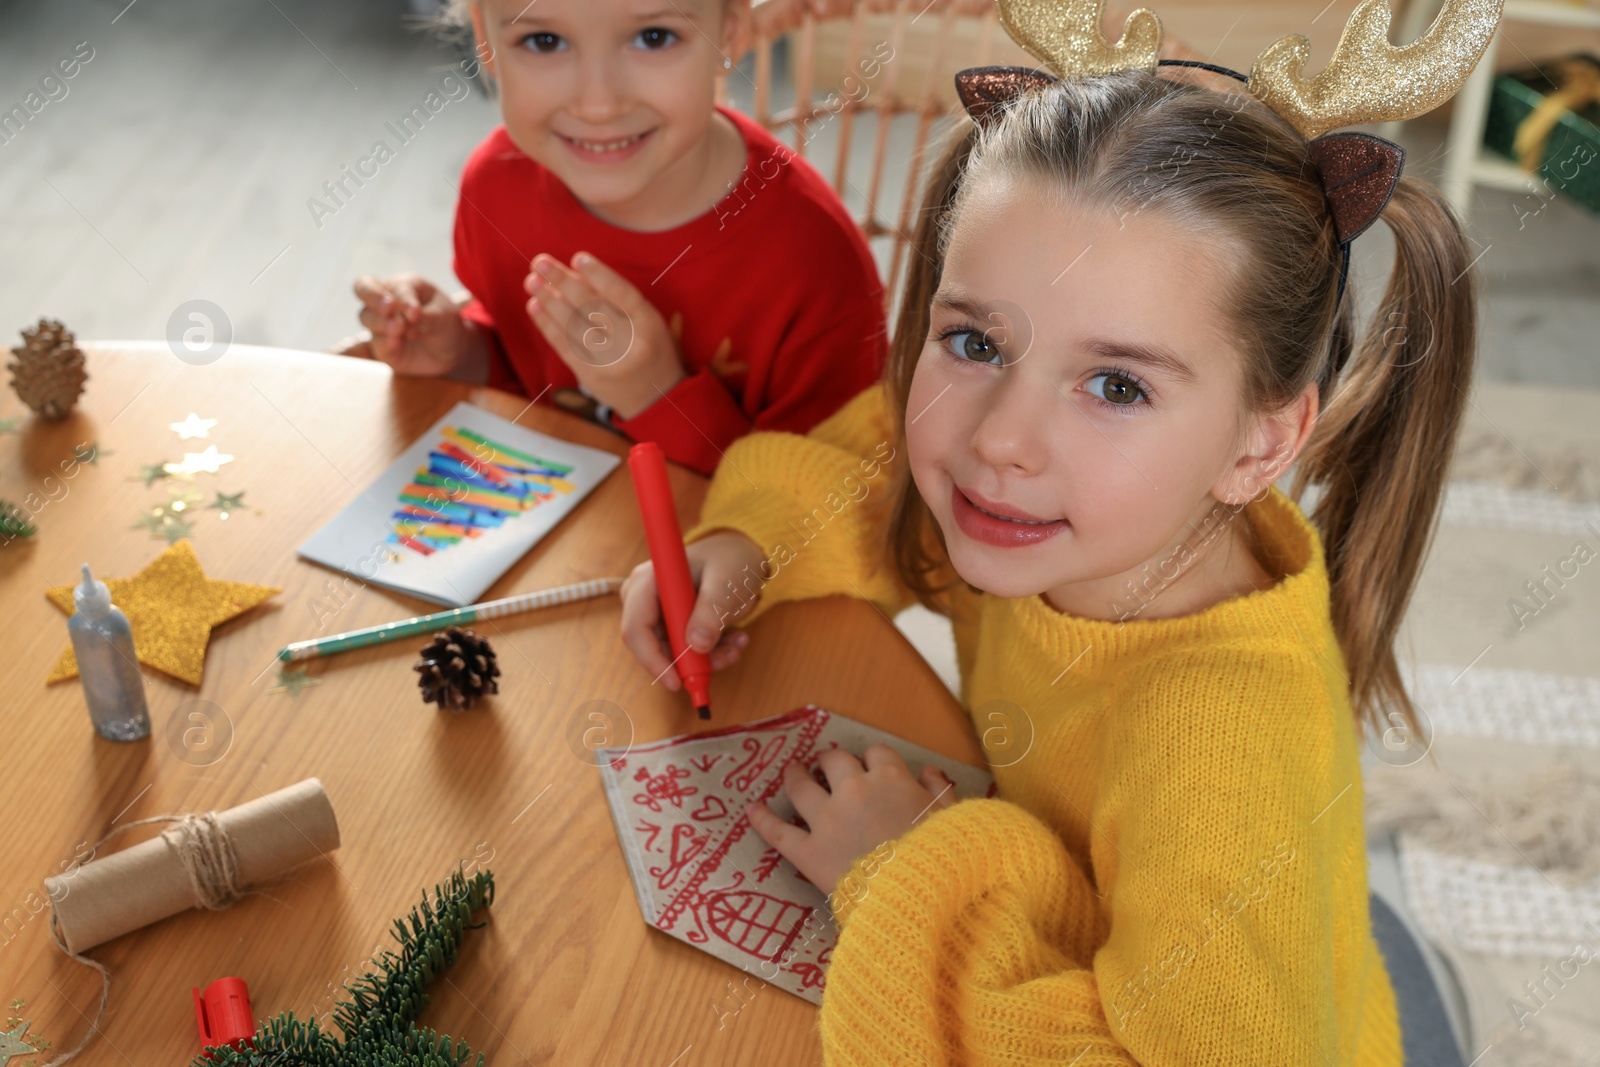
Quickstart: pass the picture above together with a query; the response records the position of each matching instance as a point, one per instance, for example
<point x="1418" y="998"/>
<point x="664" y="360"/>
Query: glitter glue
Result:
<point x="103" y="644"/>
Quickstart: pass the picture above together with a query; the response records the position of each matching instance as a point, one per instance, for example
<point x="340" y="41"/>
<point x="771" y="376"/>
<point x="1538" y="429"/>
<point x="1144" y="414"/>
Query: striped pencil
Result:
<point x="439" y="620"/>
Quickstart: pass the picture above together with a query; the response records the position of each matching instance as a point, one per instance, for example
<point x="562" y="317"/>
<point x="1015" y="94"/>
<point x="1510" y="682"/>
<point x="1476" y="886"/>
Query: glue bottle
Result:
<point x="103" y="644"/>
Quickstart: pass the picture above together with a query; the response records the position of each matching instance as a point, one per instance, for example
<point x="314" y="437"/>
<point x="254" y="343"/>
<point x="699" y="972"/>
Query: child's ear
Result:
<point x="480" y="39"/>
<point x="1274" y="441"/>
<point x="736" y="28"/>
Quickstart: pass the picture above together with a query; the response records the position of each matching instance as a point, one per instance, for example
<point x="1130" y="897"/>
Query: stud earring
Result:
<point x="727" y="64"/>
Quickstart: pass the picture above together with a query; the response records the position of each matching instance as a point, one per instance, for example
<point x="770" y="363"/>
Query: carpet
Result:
<point x="1497" y="813"/>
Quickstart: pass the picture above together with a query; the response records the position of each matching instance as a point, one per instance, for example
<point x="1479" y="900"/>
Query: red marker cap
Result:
<point x="223" y="1014"/>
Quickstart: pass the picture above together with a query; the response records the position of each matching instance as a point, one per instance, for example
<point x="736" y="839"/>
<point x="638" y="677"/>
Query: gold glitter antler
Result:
<point x="1065" y="36"/>
<point x="1368" y="79"/>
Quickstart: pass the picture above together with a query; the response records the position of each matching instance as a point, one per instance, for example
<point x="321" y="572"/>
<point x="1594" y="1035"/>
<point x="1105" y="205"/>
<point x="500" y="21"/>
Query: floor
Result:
<point x="182" y="162"/>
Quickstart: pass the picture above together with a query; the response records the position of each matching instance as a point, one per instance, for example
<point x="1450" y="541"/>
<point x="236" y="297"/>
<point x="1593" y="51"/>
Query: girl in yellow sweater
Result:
<point x="1126" y="315"/>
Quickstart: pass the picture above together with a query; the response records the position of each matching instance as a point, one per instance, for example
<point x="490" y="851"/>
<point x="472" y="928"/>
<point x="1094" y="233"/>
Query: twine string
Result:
<point x="205" y="851"/>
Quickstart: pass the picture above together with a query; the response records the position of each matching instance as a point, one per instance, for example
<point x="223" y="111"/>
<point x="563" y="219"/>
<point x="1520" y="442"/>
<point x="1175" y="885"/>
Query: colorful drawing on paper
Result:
<point x="471" y="485"/>
<point x="702" y="875"/>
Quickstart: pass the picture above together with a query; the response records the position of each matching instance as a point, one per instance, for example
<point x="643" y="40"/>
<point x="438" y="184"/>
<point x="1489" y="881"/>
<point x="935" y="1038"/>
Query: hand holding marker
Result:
<point x="674" y="583"/>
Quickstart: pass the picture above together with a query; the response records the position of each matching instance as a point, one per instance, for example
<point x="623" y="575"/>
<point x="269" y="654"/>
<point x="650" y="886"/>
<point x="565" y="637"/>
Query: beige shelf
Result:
<point x="1467" y="162"/>
<point x="1553" y="13"/>
<point x="1495" y="170"/>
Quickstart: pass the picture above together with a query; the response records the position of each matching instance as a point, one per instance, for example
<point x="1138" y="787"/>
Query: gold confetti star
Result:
<point x="183" y="496"/>
<point x="167" y="520"/>
<point x="193" y="426"/>
<point x="150" y="520"/>
<point x="227" y="502"/>
<point x="292" y="681"/>
<point x="207" y="462"/>
<point x="175" y="529"/>
<point x="171" y="606"/>
<point x="150" y="473"/>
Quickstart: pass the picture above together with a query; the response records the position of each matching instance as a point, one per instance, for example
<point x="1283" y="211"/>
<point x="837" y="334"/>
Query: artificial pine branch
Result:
<point x="377" y="1024"/>
<point x="14" y="522"/>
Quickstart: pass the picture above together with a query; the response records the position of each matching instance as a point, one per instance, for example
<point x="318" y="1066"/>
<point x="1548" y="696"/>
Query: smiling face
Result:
<point x="615" y="97"/>
<point x="1077" y="405"/>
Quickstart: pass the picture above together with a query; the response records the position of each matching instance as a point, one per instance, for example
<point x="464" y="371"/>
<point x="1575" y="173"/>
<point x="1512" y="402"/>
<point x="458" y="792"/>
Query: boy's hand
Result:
<point x="868" y="802"/>
<point x="615" y="340"/>
<point x="416" y="328"/>
<point x="715" y="561"/>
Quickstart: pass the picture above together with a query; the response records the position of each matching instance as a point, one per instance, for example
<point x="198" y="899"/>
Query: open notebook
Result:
<point x="459" y="507"/>
<point x="703" y="875"/>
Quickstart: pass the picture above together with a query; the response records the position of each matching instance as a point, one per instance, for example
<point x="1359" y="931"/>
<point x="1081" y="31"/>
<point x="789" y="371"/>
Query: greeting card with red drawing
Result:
<point x="703" y="875"/>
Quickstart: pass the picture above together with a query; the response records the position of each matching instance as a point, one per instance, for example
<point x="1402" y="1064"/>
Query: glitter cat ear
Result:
<point x="1359" y="175"/>
<point x="985" y="91"/>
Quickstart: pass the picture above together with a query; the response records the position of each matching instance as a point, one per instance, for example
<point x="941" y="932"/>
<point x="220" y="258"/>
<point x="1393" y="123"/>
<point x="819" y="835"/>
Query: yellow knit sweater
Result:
<point x="1175" y="869"/>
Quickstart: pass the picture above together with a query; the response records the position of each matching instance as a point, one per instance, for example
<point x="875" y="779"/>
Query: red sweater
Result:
<point x="773" y="293"/>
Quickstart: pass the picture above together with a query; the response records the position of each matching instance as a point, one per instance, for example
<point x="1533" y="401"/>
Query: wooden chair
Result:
<point x="889" y="132"/>
<point x="830" y="47"/>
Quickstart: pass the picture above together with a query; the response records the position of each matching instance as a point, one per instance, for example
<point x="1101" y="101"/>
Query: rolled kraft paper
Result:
<point x="146" y="883"/>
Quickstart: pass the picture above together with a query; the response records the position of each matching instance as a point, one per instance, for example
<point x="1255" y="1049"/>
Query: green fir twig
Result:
<point x="377" y="1024"/>
<point x="14" y="522"/>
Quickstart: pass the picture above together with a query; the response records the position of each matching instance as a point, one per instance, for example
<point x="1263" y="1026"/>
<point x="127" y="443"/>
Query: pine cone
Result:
<point x="457" y="667"/>
<point x="48" y="372"/>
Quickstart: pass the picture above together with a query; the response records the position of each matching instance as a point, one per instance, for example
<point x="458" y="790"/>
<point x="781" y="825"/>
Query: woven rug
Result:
<point x="1498" y="823"/>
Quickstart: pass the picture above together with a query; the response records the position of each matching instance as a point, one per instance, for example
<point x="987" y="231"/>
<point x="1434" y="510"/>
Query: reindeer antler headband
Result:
<point x="1367" y="80"/>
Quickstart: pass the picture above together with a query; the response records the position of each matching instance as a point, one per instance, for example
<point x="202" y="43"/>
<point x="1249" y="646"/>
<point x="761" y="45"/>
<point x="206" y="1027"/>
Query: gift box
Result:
<point x="1547" y="119"/>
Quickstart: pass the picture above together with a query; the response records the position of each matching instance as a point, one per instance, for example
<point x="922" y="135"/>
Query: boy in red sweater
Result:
<point x="626" y="241"/>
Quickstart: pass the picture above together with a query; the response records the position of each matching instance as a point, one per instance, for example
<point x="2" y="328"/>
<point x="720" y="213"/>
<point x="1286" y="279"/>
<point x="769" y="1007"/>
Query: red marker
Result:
<point x="673" y="582"/>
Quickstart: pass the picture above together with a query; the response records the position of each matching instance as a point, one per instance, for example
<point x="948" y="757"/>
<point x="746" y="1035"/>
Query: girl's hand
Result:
<point x="714" y="562"/>
<point x="615" y="340"/>
<point x="416" y="328"/>
<point x="868" y="802"/>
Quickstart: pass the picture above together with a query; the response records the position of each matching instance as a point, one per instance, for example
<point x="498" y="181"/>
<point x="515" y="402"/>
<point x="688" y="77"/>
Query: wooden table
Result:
<point x="567" y="972"/>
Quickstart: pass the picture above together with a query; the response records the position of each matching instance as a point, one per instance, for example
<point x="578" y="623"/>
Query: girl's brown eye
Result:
<point x="974" y="346"/>
<point x="1114" y="389"/>
<point x="655" y="38"/>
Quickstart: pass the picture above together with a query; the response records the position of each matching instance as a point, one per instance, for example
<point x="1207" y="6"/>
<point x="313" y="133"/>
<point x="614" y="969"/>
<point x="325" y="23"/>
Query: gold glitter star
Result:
<point x="171" y="606"/>
<point x="11" y="1044"/>
<point x="207" y="462"/>
<point x="90" y="453"/>
<point x="193" y="426"/>
<point x="292" y="681"/>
